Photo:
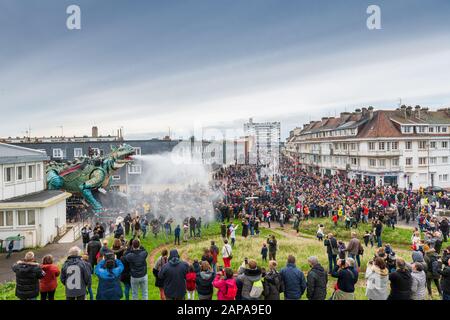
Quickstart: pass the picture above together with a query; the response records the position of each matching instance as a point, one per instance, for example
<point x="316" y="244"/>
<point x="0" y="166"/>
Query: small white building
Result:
<point x="26" y="207"/>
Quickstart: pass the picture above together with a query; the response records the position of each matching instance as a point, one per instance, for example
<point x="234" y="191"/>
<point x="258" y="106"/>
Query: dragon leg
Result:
<point x="54" y="181"/>
<point x="86" y="189"/>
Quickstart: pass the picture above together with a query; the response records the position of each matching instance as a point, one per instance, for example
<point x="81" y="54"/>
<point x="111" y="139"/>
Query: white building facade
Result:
<point x="405" y="147"/>
<point x="265" y="146"/>
<point x="26" y="208"/>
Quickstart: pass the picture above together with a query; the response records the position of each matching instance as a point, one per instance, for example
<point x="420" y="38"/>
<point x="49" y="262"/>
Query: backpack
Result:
<point x="436" y="266"/>
<point x="231" y="292"/>
<point x="257" y="289"/>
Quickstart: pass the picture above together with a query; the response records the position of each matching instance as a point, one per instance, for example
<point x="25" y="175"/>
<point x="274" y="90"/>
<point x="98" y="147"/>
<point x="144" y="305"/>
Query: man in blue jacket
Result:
<point x="293" y="279"/>
<point x="173" y="275"/>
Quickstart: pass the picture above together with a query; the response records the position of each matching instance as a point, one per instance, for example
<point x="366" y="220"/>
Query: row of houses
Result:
<point x="408" y="147"/>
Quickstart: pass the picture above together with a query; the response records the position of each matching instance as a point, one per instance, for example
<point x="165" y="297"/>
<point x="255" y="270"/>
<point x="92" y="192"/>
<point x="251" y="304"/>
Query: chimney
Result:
<point x="345" y="116"/>
<point x="408" y="111"/>
<point x="370" y="109"/>
<point x="403" y="110"/>
<point x="417" y="111"/>
<point x="324" y="118"/>
<point x="94" y="132"/>
<point x="357" y="110"/>
<point x="364" y="112"/>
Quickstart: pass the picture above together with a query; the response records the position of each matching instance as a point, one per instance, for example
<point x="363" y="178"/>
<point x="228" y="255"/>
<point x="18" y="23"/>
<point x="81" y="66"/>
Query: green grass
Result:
<point x="398" y="236"/>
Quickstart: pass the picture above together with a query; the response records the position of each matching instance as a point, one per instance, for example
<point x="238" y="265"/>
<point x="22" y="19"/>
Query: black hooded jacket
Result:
<point x="27" y="279"/>
<point x="316" y="283"/>
<point x="173" y="275"/>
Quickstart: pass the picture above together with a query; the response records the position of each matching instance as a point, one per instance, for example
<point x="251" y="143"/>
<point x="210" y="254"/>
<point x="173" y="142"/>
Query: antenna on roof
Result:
<point x="399" y="102"/>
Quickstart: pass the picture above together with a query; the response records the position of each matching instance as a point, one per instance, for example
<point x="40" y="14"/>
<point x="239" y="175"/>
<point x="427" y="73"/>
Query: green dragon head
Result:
<point x="120" y="156"/>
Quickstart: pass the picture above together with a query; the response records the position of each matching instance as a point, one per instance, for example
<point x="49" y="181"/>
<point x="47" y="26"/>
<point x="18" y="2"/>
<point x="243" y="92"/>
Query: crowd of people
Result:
<point x="292" y="196"/>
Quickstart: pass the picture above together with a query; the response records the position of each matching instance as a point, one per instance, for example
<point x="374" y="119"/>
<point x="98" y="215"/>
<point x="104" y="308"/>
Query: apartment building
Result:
<point x="407" y="146"/>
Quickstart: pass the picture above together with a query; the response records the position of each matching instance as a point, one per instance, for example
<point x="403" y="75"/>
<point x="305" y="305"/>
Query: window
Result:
<point x="422" y="161"/>
<point x="394" y="145"/>
<point x="31" y="218"/>
<point x="422" y="145"/>
<point x="353" y="146"/>
<point x="9" y="174"/>
<point x="407" y="129"/>
<point x="444" y="129"/>
<point x="381" y="146"/>
<point x="38" y="172"/>
<point x="354" y="161"/>
<point x="57" y="153"/>
<point x="431" y="129"/>
<point x="117" y="177"/>
<point x="77" y="152"/>
<point x="136" y="188"/>
<point x="408" y="145"/>
<point x="6" y="218"/>
<point x="444" y="144"/>
<point x="421" y="129"/>
<point x="395" y="162"/>
<point x="409" y="161"/>
<point x="134" y="169"/>
<point x="20" y="173"/>
<point x="22" y="217"/>
<point x="31" y="172"/>
<point x="372" y="146"/>
<point x="382" y="163"/>
<point x="372" y="162"/>
<point x="444" y="159"/>
<point x="433" y="144"/>
<point x="443" y="177"/>
<point x="433" y="160"/>
<point x="137" y="151"/>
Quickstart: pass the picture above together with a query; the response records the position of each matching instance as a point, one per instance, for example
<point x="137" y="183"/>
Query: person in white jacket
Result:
<point x="419" y="282"/>
<point x="377" y="279"/>
<point x="233" y="229"/>
<point x="227" y="254"/>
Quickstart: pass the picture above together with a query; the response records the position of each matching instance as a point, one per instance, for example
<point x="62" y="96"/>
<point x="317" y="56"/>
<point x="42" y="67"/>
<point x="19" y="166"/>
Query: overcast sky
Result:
<point x="150" y="65"/>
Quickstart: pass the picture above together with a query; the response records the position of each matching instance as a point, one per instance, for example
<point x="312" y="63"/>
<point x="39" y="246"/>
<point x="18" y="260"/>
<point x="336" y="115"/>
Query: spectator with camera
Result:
<point x="377" y="279"/>
<point x="250" y="275"/>
<point x="225" y="284"/>
<point x="401" y="282"/>
<point x="345" y="286"/>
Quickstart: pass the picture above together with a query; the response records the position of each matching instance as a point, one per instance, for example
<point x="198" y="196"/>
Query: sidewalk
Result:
<point x="57" y="250"/>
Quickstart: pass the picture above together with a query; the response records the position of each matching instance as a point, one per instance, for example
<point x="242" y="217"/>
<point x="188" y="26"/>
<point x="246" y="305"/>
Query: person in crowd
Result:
<point x="127" y="220"/>
<point x="332" y="251"/>
<point x="434" y="265"/>
<point x="264" y="251"/>
<point x="99" y="230"/>
<point x="273" y="283"/>
<point x="225" y="284"/>
<point x="108" y="271"/>
<point x="345" y="286"/>
<point x="85" y="258"/>
<point x="204" y="281"/>
<point x="76" y="270"/>
<point x="125" y="276"/>
<point x="227" y="254"/>
<point x="93" y="249"/>
<point x="445" y="280"/>
<point x="104" y="249"/>
<point x="378" y="232"/>
<point x="191" y="276"/>
<point x="250" y="275"/>
<point x="377" y="279"/>
<point x="273" y="246"/>
<point x="232" y="230"/>
<point x="354" y="248"/>
<point x="316" y="280"/>
<point x="118" y="249"/>
<point x="192" y="224"/>
<point x="137" y="260"/>
<point x="185" y="232"/>
<point x="159" y="264"/>
<point x="177" y="234"/>
<point x="401" y="282"/>
<point x="49" y="283"/>
<point x="214" y="253"/>
<point x="173" y="276"/>
<point x="118" y="232"/>
<point x="207" y="256"/>
<point x="293" y="280"/>
<point x="28" y="273"/>
<point x="419" y="282"/>
<point x="86" y="235"/>
<point x="10" y="249"/>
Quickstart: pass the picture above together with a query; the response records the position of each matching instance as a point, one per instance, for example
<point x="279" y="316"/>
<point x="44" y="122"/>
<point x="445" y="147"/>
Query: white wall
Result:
<point x="25" y="186"/>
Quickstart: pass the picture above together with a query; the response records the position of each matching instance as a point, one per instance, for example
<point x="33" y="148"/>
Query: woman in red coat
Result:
<point x="49" y="282"/>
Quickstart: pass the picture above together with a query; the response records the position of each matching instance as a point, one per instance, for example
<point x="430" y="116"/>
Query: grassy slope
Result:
<point x="289" y="243"/>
